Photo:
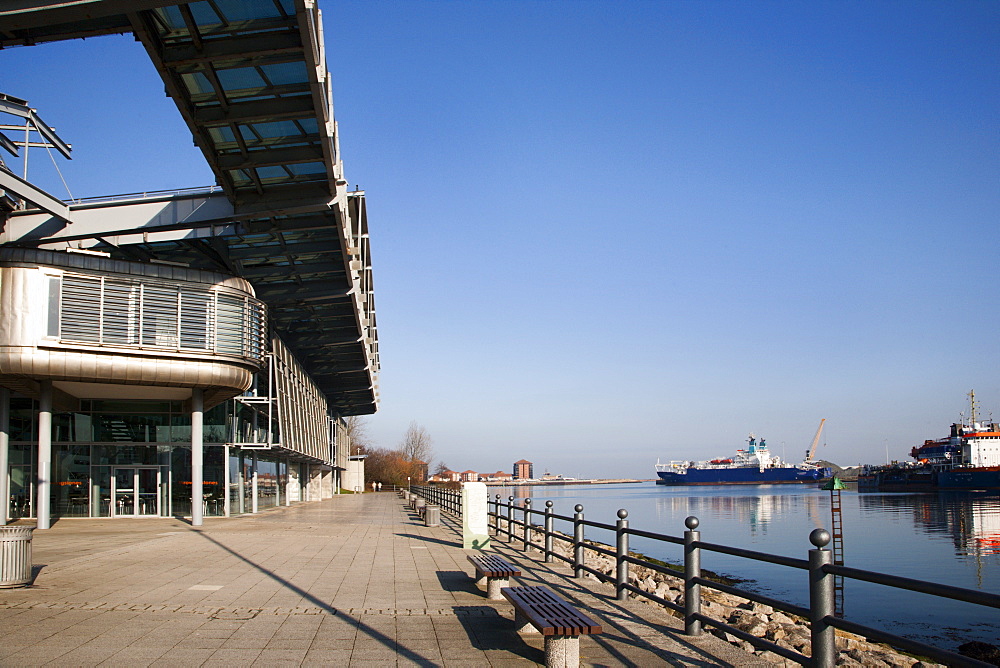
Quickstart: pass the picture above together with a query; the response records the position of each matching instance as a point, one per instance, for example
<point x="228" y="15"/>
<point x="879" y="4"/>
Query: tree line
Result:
<point x="392" y="466"/>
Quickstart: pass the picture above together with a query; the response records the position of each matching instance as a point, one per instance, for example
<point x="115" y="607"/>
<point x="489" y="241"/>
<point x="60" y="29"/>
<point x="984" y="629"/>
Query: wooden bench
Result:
<point x="554" y="618"/>
<point x="494" y="572"/>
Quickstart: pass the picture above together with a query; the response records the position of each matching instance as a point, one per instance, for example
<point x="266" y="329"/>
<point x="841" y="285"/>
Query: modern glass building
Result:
<point x="187" y="353"/>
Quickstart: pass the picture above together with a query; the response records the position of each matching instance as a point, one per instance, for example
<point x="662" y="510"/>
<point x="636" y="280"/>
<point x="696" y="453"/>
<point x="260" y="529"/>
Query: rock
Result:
<point x="728" y="637"/>
<point x="870" y="659"/>
<point x="981" y="651"/>
<point x="712" y="609"/>
<point x="781" y="618"/>
<point x="773" y="658"/>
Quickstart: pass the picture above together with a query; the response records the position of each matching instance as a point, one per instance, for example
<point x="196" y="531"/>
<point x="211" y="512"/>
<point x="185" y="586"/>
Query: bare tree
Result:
<point x="388" y="467"/>
<point x="441" y="468"/>
<point x="418" y="449"/>
<point x="357" y="431"/>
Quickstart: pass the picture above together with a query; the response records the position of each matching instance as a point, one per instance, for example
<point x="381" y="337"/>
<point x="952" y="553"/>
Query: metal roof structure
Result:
<point x="249" y="78"/>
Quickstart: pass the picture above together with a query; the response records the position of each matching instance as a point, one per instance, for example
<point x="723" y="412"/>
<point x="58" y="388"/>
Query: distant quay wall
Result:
<point x="596" y="481"/>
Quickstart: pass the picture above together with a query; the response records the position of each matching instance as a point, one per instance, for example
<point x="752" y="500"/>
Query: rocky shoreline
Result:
<point x="785" y="630"/>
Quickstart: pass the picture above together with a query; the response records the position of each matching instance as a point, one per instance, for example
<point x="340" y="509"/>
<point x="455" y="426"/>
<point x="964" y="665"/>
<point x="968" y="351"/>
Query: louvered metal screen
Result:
<point x="172" y="316"/>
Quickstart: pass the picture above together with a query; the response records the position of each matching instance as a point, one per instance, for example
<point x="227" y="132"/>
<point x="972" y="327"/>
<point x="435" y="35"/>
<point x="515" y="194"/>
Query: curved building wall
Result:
<point x="76" y="319"/>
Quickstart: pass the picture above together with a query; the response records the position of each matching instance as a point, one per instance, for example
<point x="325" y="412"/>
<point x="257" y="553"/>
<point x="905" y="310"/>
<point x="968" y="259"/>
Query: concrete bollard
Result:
<point x="432" y="515"/>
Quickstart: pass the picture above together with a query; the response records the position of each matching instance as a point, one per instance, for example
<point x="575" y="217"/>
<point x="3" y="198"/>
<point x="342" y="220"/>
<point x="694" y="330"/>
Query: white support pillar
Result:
<point x="253" y="485"/>
<point x="4" y="454"/>
<point x="277" y="483"/>
<point x="197" y="457"/>
<point x="43" y="509"/>
<point x="226" y="473"/>
<point x="241" y="503"/>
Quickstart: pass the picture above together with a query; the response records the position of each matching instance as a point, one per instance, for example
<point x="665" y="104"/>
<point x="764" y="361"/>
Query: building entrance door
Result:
<point x="20" y="482"/>
<point x="135" y="491"/>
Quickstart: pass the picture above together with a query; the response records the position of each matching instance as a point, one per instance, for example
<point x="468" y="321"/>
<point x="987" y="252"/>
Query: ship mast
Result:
<point x="972" y="407"/>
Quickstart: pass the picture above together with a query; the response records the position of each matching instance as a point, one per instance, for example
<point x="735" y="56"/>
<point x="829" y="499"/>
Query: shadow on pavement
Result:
<point x="449" y="543"/>
<point x="458" y="581"/>
<point x="488" y="630"/>
<point x="362" y="627"/>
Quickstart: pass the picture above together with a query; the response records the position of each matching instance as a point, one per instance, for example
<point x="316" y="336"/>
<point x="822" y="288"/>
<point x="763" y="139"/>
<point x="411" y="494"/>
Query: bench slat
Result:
<point x="548" y="613"/>
<point x="493" y="566"/>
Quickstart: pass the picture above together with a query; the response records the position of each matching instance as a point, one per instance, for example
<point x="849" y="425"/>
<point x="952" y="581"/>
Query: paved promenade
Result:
<point x="353" y="581"/>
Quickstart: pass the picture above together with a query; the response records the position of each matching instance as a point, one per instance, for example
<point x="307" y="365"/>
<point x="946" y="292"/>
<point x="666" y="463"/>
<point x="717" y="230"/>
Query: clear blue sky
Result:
<point x="606" y="232"/>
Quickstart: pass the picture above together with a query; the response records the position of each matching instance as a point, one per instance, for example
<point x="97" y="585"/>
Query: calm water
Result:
<point x="950" y="538"/>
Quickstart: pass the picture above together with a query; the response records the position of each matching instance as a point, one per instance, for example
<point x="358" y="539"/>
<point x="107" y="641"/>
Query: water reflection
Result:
<point x="755" y="513"/>
<point x="971" y="520"/>
<point x="951" y="538"/>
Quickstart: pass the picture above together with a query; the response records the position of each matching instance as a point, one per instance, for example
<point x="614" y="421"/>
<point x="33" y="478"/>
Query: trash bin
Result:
<point x="15" y="556"/>
<point x="419" y="506"/>
<point x="432" y="515"/>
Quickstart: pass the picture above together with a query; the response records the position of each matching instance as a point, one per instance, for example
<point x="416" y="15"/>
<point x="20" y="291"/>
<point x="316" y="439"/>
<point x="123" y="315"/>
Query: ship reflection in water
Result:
<point x="971" y="520"/>
<point x="756" y="513"/>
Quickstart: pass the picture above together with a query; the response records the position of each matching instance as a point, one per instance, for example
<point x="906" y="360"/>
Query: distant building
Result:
<point x="523" y="470"/>
<point x="500" y="476"/>
<point x="469" y="476"/>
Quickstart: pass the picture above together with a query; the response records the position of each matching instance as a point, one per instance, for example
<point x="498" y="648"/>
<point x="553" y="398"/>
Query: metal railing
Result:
<point x="449" y="500"/>
<point x="512" y="522"/>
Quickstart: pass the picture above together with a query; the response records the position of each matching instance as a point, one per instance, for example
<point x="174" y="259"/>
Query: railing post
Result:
<point x="578" y="541"/>
<point x="526" y="536"/>
<point x="621" y="552"/>
<point x="548" y="532"/>
<point x="510" y="519"/>
<point x="692" y="570"/>
<point x="821" y="602"/>
<point x="499" y="528"/>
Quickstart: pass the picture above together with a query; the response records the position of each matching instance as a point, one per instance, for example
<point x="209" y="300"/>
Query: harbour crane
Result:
<point x="812" y="449"/>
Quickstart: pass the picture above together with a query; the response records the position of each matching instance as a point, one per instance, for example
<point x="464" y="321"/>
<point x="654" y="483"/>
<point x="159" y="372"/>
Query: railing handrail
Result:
<point x="821" y="571"/>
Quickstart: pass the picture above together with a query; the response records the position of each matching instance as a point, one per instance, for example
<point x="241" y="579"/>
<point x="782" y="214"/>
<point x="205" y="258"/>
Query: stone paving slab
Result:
<point x="352" y="581"/>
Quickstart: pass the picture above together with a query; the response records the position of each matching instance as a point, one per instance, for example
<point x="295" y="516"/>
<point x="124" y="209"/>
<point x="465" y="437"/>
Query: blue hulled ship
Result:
<point x="753" y="465"/>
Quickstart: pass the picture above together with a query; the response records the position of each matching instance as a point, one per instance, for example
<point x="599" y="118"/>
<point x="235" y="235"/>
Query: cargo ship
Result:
<point x="968" y="458"/>
<point x="753" y="465"/>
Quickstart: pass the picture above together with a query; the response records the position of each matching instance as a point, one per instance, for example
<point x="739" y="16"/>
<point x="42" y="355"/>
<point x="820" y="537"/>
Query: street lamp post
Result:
<point x="407" y="483"/>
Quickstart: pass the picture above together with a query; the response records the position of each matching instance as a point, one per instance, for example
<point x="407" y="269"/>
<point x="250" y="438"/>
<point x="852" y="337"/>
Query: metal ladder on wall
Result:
<point x="838" y="550"/>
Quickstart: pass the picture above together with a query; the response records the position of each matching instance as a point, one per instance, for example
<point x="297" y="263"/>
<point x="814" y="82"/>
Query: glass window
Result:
<point x="71" y="480"/>
<point x="121" y="312"/>
<point x="55" y="288"/>
<point x="196" y="82"/>
<point x="239" y="78"/>
<point x="159" y="316"/>
<point x="81" y="302"/>
<point x="196" y="318"/>
<point x="286" y="73"/>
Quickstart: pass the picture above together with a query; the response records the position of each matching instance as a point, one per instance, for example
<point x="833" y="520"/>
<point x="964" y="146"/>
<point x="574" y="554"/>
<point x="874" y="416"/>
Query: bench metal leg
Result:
<point x="493" y="586"/>
<point x="562" y="651"/>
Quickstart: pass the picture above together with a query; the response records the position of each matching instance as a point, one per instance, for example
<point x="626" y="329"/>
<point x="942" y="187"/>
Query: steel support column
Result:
<point x="4" y="454"/>
<point x="253" y="484"/>
<point x="226" y="473"/>
<point x="197" y="457"/>
<point x="43" y="470"/>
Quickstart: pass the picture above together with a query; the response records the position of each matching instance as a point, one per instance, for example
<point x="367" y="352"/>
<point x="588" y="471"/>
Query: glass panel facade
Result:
<point x="117" y="458"/>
